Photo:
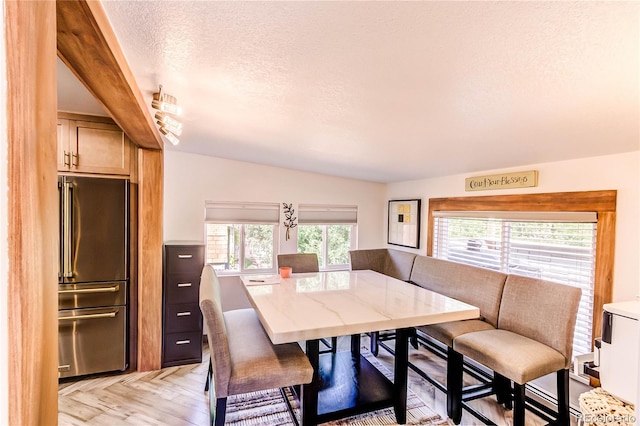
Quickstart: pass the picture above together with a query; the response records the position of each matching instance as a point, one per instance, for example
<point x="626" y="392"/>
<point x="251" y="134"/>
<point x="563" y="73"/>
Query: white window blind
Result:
<point x="263" y="213"/>
<point x="554" y="246"/>
<point x="316" y="214"/>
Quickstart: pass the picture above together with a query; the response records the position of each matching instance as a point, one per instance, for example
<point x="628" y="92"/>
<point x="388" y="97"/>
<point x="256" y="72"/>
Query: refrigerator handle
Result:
<point x="66" y="251"/>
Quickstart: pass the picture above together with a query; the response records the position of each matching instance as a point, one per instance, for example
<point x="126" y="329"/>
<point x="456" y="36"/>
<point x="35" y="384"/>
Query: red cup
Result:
<point x="285" y="271"/>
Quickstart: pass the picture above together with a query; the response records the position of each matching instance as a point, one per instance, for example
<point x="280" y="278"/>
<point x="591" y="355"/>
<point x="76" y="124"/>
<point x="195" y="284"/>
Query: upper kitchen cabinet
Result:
<point x="95" y="145"/>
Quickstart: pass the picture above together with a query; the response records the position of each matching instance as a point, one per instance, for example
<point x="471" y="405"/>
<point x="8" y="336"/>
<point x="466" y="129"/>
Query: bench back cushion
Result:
<point x="540" y="310"/>
<point x="399" y="264"/>
<point x="470" y="284"/>
<point x="374" y="259"/>
<point x="299" y="262"/>
<point x="393" y="263"/>
<point x="211" y="307"/>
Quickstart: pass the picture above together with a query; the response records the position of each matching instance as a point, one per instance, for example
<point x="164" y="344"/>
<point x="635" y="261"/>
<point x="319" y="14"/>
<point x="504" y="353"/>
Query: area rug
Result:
<point x="270" y="408"/>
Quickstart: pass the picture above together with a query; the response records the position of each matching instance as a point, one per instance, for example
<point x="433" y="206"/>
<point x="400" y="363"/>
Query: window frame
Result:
<point x="601" y="202"/>
<point x="242" y="270"/>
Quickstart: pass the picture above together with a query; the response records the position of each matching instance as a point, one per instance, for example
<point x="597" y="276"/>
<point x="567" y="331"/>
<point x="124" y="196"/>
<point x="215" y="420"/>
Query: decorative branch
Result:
<point x="290" y="221"/>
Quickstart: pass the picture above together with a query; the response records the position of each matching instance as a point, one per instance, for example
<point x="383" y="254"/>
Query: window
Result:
<point x="328" y="231"/>
<point x="241" y="237"/>
<point x="557" y="247"/>
<point x="600" y="203"/>
<point x="330" y="242"/>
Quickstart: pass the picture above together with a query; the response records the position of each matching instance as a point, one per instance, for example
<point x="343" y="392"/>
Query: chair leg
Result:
<point x="413" y="338"/>
<point x="220" y="412"/>
<point x="454" y="385"/>
<point x="563" y="397"/>
<point x="502" y="388"/>
<point x="334" y="344"/>
<point x="209" y="377"/>
<point x="518" y="404"/>
<point x="374" y="342"/>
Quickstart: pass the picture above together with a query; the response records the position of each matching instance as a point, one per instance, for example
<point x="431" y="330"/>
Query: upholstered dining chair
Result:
<point x="534" y="338"/>
<point x="301" y="263"/>
<point x="243" y="359"/>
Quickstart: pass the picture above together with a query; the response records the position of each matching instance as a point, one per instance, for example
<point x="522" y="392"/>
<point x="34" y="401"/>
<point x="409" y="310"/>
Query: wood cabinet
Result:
<point x="86" y="146"/>
<point x="181" y="316"/>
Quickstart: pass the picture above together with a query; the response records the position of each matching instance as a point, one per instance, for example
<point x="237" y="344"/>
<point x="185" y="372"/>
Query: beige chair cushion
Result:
<point x="514" y="356"/>
<point x="299" y="262"/>
<point x="256" y="363"/>
<point x="447" y="331"/>
<point x="470" y="284"/>
<point x="540" y="310"/>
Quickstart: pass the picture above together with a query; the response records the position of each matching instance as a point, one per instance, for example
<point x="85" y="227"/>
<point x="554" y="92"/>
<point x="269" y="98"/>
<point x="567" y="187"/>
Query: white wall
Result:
<point x="620" y="172"/>
<point x="190" y="180"/>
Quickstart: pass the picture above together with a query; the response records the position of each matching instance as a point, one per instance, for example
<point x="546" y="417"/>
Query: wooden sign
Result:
<point x="502" y="181"/>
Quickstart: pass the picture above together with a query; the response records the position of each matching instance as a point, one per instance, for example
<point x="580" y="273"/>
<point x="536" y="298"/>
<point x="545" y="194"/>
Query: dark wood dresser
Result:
<point x="181" y="317"/>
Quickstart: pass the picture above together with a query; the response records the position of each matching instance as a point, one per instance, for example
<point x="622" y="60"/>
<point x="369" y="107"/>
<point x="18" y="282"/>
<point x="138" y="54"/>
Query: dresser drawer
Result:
<point x="182" y="288"/>
<point x="180" y="259"/>
<point x="182" y="317"/>
<point x="180" y="348"/>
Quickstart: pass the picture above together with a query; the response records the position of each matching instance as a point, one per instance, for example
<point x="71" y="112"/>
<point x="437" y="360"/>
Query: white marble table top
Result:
<point x="326" y="304"/>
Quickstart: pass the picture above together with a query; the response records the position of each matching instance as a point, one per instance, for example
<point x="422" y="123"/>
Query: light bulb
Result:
<point x="166" y="103"/>
<point x="169" y="123"/>
<point x="170" y="136"/>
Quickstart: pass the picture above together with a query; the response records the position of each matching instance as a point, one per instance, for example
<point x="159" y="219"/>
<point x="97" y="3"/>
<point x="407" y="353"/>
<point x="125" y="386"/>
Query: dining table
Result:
<point x="309" y="307"/>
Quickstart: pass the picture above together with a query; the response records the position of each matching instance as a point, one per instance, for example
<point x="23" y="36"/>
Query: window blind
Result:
<point x="316" y="214"/>
<point x="229" y="213"/>
<point x="560" y="249"/>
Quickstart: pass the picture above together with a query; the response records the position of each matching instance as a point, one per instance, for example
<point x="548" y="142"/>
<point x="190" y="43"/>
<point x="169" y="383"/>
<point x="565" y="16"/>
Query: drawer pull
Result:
<point x="183" y="314"/>
<point x="185" y="256"/>
<point x="183" y="342"/>
<point x="184" y="284"/>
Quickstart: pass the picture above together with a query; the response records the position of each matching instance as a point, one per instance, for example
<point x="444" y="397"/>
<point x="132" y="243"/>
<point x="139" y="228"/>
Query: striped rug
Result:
<point x="270" y="408"/>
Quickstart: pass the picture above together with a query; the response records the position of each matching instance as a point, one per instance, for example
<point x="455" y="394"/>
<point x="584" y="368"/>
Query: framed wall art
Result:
<point x="404" y="223"/>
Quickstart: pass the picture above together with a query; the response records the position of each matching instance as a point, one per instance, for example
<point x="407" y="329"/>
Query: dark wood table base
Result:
<point x="346" y="384"/>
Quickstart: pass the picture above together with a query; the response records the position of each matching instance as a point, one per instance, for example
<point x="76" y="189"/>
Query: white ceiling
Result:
<point x="390" y="91"/>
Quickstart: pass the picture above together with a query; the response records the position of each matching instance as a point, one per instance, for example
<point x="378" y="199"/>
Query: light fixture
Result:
<point x="166" y="103"/>
<point x="168" y="126"/>
<point x="170" y="136"/>
<point x="169" y="123"/>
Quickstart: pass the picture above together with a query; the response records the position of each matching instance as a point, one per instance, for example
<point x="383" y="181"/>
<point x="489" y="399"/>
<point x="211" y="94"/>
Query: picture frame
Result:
<point x="403" y="224"/>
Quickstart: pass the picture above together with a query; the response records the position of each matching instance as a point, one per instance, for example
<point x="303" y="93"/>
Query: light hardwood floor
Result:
<point x="175" y="396"/>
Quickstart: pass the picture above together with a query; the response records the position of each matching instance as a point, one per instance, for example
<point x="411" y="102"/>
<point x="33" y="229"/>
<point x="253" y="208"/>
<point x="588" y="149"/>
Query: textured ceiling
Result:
<point x="391" y="91"/>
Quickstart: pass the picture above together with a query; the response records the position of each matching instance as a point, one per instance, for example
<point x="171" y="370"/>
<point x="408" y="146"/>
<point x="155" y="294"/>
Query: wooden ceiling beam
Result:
<point x="89" y="47"/>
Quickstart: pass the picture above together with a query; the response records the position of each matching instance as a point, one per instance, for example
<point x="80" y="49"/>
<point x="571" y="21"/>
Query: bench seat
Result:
<point x="447" y="331"/>
<point x="518" y="358"/>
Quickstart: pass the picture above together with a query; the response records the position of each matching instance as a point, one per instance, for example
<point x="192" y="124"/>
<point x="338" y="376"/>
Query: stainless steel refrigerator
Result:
<point x="93" y="275"/>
